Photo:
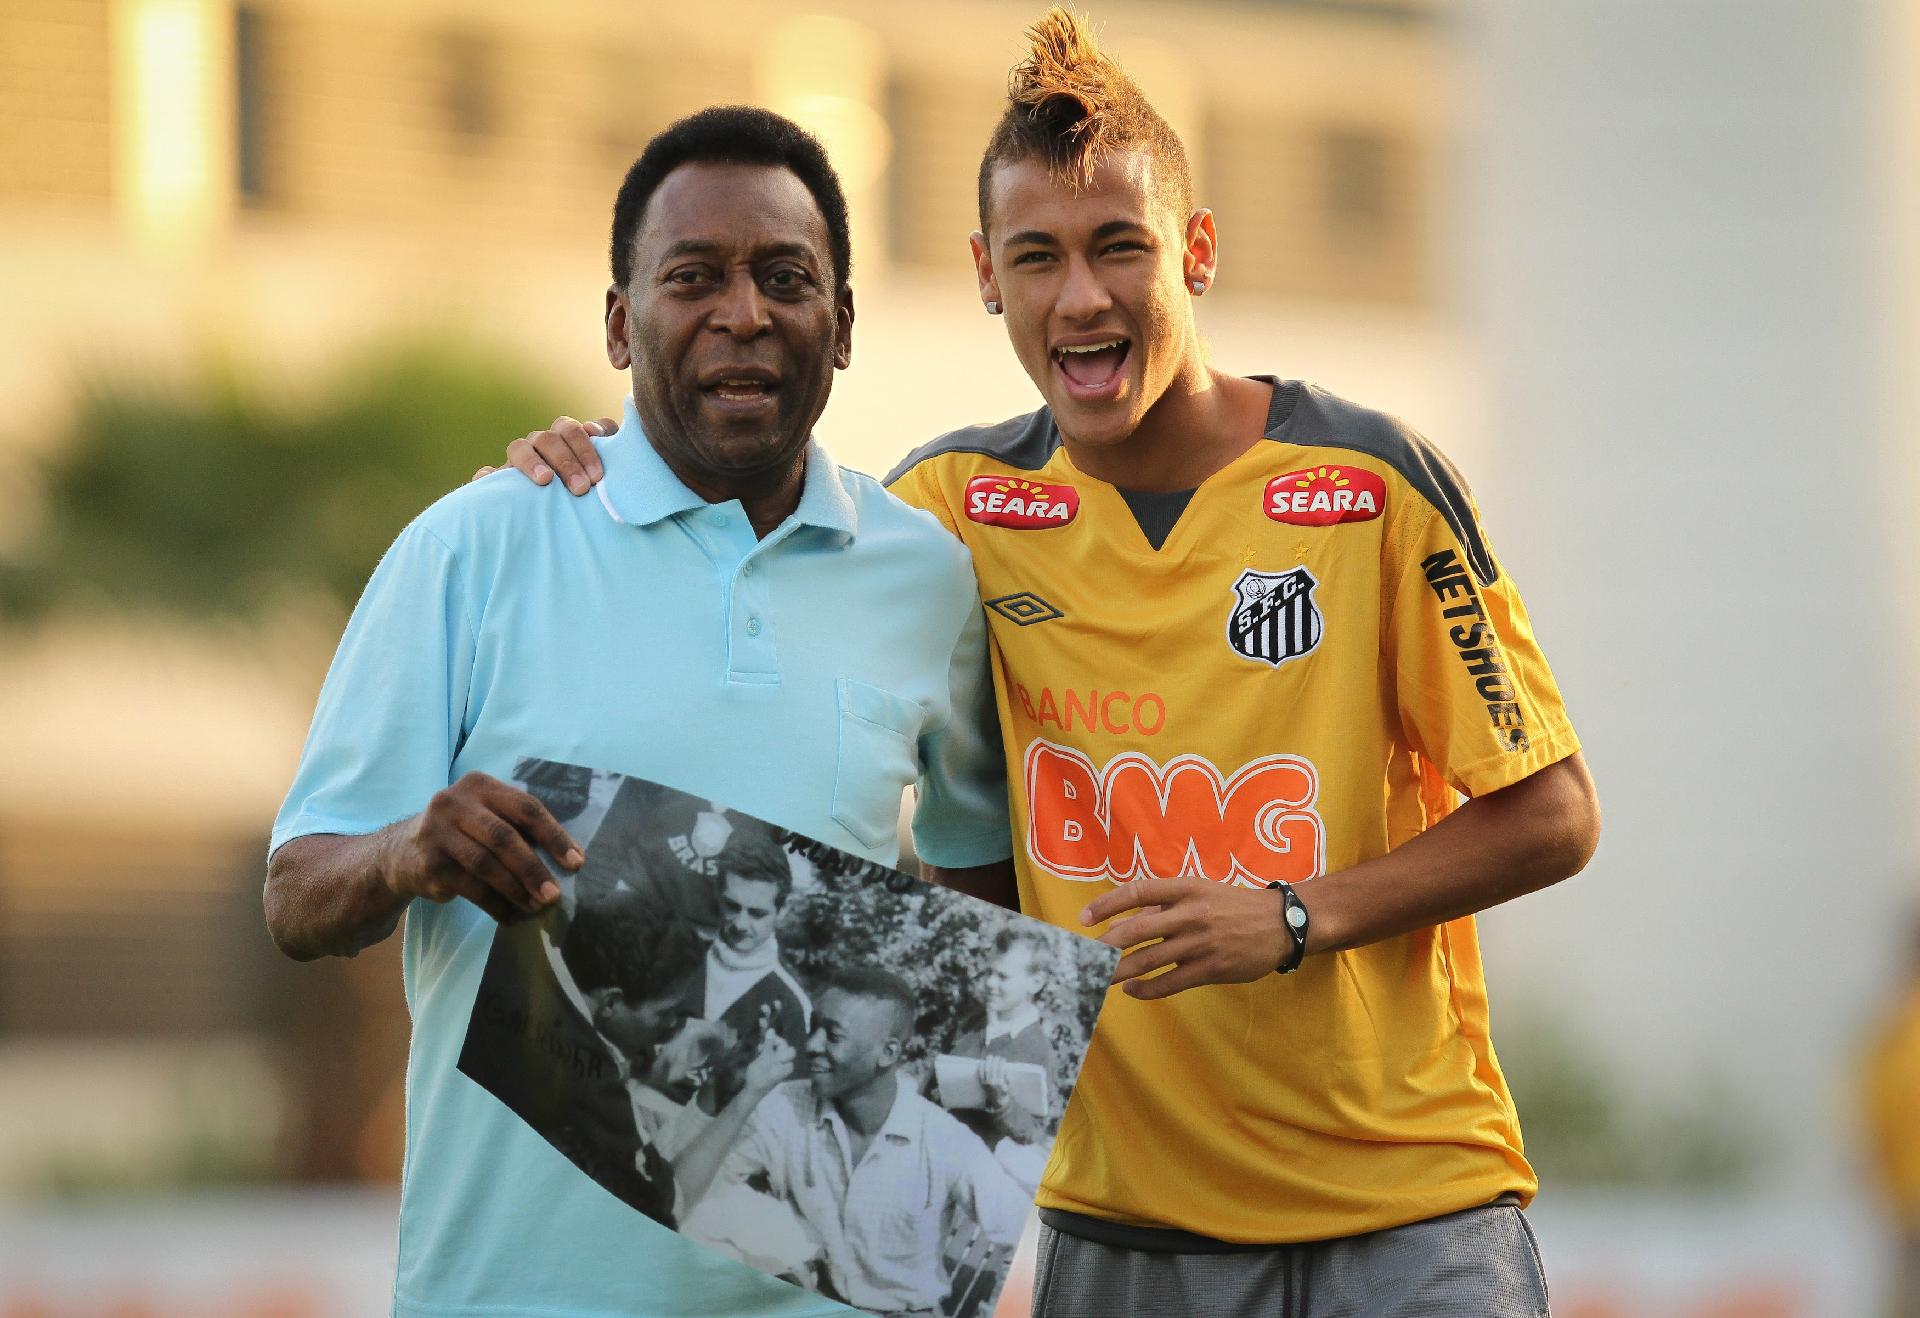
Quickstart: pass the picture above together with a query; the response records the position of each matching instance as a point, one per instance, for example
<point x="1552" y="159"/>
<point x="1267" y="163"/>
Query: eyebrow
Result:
<point x="708" y="247"/>
<point x="1041" y="237"/>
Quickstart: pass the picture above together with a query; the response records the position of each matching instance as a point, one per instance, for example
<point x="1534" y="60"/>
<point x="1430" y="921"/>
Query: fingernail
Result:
<point x="574" y="859"/>
<point x="543" y="474"/>
<point x="549" y="891"/>
<point x="1086" y="916"/>
<point x="598" y="472"/>
<point x="578" y="484"/>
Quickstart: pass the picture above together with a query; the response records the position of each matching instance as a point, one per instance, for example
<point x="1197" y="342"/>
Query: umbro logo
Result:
<point x="1024" y="609"/>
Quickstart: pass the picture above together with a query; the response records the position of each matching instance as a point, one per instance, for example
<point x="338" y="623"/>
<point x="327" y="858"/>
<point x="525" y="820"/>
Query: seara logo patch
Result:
<point x="1019" y="503"/>
<point x="1323" y="496"/>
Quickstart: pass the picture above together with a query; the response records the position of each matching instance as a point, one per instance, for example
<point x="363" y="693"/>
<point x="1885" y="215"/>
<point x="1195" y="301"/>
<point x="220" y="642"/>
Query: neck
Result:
<point x="769" y="496"/>
<point x="866" y="1108"/>
<point x="1204" y="420"/>
<point x="1001" y="1022"/>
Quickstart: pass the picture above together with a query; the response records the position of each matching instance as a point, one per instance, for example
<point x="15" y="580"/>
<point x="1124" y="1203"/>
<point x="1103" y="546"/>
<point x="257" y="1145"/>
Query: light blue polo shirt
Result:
<point x="805" y="678"/>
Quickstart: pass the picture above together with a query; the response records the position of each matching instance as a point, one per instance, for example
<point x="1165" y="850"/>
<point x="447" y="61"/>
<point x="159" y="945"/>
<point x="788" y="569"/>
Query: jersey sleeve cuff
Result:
<point x="1505" y="768"/>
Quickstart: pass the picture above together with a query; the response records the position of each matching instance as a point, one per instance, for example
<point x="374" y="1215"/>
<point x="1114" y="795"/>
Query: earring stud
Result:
<point x="1198" y="286"/>
<point x="993" y="307"/>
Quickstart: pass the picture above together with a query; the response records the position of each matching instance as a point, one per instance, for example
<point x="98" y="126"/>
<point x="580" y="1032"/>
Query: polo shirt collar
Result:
<point x="639" y="488"/>
<point x="904" y="1120"/>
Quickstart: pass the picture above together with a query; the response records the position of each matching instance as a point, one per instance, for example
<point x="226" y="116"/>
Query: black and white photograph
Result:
<point x="826" y="1069"/>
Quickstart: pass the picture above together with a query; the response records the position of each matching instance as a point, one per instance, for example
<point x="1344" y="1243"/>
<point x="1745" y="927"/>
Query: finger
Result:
<point x="483" y="471"/>
<point x="1177" y="980"/>
<point x="525" y="459"/>
<point x="1128" y="896"/>
<point x="1146" y="960"/>
<point x="467" y="855"/>
<point x="530" y="815"/>
<point x="495" y="865"/>
<point x="568" y="448"/>
<point x="1136" y="929"/>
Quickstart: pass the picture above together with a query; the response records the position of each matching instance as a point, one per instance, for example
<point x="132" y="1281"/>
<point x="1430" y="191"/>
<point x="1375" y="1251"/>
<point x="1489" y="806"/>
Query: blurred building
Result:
<point x="287" y="179"/>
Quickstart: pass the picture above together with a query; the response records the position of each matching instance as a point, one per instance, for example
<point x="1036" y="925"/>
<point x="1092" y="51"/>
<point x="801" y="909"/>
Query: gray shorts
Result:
<point x="1480" y="1263"/>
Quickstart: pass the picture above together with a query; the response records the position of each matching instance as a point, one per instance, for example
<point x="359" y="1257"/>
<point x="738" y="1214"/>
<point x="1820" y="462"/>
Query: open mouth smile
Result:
<point x="1094" y="370"/>
<point x="742" y="389"/>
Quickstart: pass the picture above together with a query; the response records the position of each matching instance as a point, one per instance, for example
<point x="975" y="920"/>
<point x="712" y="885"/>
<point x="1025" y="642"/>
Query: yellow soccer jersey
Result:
<point x="1318" y="654"/>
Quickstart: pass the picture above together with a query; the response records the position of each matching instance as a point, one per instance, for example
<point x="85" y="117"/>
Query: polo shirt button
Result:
<point x="753" y="626"/>
<point x="747" y="570"/>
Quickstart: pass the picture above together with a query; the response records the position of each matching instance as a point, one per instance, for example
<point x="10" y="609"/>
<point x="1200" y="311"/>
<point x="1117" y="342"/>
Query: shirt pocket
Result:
<point x="878" y="758"/>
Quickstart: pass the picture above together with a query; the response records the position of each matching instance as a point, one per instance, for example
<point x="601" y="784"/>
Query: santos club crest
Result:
<point x="1274" y="618"/>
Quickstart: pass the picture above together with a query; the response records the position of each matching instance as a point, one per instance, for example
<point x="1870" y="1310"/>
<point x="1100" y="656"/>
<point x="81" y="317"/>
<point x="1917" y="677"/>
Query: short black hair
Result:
<point x="752" y="854"/>
<point x="732" y="135"/>
<point x="877" y="985"/>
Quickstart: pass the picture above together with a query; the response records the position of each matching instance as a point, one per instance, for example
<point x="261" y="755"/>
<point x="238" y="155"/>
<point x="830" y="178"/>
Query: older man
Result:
<point x="872" y="1168"/>
<point x="701" y="603"/>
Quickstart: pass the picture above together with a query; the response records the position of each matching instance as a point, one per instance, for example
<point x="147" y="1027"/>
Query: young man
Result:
<point x="870" y="1166"/>
<point x="700" y="594"/>
<point x="742" y="980"/>
<point x="1251" y="649"/>
<point x="1012" y="1032"/>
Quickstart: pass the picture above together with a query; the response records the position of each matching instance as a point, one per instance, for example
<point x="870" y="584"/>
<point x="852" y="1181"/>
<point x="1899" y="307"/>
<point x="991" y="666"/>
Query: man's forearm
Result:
<point x="700" y="1162"/>
<point x="327" y="895"/>
<point x="993" y="883"/>
<point x="1492" y="849"/>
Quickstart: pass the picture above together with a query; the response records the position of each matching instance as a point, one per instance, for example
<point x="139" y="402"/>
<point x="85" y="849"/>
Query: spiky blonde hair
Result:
<point x="1071" y="106"/>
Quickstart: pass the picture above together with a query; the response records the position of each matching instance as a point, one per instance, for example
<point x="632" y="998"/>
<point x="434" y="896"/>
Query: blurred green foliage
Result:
<point x="211" y="497"/>
<point x="1588" y="1124"/>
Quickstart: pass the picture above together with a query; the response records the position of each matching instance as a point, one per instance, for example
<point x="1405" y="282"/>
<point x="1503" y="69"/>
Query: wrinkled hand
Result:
<point x="475" y="840"/>
<point x="771" y="1065"/>
<point x="1210" y="933"/>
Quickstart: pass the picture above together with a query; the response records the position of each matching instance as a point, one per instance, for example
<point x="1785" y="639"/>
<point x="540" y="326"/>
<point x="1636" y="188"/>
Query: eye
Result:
<point x="789" y="279"/>
<point x="1124" y="245"/>
<point x="689" y="276"/>
<point x="1032" y="258"/>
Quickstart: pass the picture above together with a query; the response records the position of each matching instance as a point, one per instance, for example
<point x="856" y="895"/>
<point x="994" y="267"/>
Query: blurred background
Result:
<point x="275" y="274"/>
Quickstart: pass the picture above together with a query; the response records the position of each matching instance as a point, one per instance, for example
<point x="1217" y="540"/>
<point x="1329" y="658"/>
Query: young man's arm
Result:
<point x="1492" y="849"/>
<point x="1479" y="706"/>
<point x="699" y="1164"/>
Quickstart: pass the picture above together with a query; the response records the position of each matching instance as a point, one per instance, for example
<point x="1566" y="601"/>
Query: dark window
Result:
<point x="249" y="100"/>
<point x="470" y="96"/>
<point x="1358" y="166"/>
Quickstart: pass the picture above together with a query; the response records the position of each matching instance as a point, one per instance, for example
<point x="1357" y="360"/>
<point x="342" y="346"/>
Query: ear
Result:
<point x="1202" y="256"/>
<point x="843" y="330"/>
<point x="619" y="319"/>
<point x="983" y="269"/>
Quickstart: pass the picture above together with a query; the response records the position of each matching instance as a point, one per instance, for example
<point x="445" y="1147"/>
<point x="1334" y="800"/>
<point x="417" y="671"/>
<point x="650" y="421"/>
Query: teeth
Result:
<point x="1092" y="347"/>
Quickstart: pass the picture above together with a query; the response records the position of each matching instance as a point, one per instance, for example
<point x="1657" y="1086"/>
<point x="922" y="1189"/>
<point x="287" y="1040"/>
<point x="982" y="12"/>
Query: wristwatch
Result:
<point x="1293" y="918"/>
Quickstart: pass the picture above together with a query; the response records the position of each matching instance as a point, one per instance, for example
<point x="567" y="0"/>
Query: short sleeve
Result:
<point x="917" y="486"/>
<point x="756" y="1152"/>
<point x="390" y="714"/>
<point x="960" y="817"/>
<point x="1476" y="697"/>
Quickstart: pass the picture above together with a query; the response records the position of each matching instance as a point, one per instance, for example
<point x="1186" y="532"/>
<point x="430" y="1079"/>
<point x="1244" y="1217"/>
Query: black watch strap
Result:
<point x="1293" y="918"/>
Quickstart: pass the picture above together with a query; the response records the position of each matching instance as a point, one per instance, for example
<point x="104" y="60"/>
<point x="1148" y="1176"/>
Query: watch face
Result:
<point x="1297" y="916"/>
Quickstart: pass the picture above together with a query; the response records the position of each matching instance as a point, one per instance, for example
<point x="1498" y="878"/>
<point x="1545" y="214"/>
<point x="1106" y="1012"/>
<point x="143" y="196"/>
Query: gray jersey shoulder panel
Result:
<point x="1026" y="442"/>
<point x="1318" y="419"/>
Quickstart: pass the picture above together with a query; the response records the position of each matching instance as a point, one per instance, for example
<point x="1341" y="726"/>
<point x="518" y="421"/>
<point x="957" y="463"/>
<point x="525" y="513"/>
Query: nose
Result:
<point x="1082" y="295"/>
<point x="741" y="309"/>
<point x="817" y="1044"/>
